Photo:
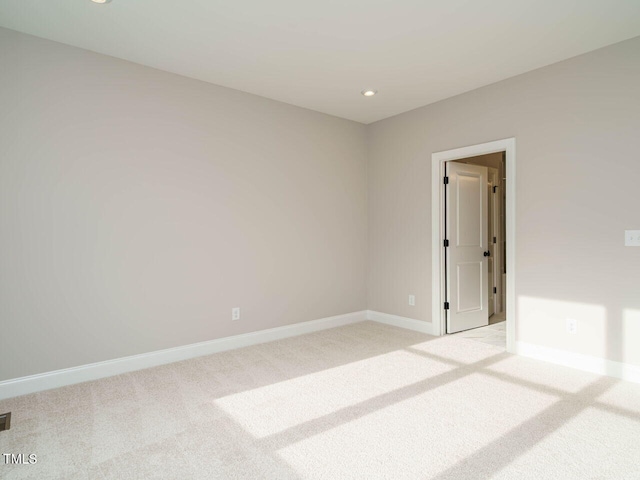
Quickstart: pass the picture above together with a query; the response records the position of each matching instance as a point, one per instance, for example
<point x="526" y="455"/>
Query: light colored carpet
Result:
<point x="363" y="401"/>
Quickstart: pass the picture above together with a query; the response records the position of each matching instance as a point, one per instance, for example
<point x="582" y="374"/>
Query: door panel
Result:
<point x="469" y="227"/>
<point x="467" y="267"/>
<point x="469" y="286"/>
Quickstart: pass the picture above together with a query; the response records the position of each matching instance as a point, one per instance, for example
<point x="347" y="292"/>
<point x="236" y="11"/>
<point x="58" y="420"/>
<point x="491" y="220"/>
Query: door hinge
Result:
<point x="495" y="289"/>
<point x="494" y="239"/>
<point x="446" y="180"/>
<point x="495" y="188"/>
<point x="446" y="243"/>
<point x="446" y="305"/>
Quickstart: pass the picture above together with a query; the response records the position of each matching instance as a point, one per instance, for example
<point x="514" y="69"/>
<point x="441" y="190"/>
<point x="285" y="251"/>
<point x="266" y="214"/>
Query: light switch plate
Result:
<point x="632" y="238"/>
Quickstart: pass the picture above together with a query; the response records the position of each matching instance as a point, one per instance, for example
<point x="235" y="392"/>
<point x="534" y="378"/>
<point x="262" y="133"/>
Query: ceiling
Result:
<point x="321" y="55"/>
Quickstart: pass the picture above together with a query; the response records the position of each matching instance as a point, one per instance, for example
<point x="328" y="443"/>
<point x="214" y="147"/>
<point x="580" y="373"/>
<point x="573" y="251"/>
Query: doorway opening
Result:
<point x="481" y="180"/>
<point x="473" y="242"/>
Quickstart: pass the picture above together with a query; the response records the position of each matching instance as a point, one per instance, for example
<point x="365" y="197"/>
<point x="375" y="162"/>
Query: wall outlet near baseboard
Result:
<point x="412" y="300"/>
<point x="235" y="313"/>
<point x="572" y="326"/>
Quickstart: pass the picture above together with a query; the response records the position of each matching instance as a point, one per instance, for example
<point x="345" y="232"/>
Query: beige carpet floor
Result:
<point x="363" y="401"/>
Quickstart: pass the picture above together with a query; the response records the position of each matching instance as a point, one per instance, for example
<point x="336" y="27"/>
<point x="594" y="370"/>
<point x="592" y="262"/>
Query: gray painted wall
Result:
<point x="137" y="207"/>
<point x="576" y="125"/>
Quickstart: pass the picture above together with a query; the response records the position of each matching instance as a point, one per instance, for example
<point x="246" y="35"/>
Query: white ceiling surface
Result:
<point x="321" y="54"/>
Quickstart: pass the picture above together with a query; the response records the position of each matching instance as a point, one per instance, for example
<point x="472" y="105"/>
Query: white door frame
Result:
<point x="496" y="222"/>
<point x="438" y="160"/>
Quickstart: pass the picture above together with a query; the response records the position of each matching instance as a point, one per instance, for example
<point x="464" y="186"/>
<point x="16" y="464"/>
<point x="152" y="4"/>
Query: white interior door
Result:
<point x="467" y="253"/>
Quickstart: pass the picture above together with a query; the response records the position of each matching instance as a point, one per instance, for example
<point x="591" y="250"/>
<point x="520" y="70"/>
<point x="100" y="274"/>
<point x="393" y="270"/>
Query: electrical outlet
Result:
<point x="572" y="326"/>
<point x="412" y="300"/>
<point x="235" y="313"/>
<point x="632" y="238"/>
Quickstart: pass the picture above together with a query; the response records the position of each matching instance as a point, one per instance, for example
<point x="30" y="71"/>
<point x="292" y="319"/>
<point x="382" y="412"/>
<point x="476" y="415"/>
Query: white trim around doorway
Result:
<point x="438" y="160"/>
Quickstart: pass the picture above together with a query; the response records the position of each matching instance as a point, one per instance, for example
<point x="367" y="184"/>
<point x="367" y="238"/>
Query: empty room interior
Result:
<point x="319" y="240"/>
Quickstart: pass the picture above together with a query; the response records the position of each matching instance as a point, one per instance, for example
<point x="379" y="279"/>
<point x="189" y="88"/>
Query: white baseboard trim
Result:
<point x="601" y="366"/>
<point x="94" y="371"/>
<point x="402" y="322"/>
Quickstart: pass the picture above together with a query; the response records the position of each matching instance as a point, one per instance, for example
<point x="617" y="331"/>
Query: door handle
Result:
<point x="487" y="253"/>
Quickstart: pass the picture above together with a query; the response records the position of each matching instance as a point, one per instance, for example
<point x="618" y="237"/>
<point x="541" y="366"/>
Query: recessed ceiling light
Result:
<point x="100" y="1"/>
<point x="369" y="92"/>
